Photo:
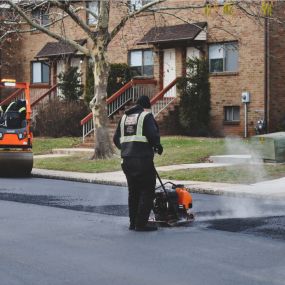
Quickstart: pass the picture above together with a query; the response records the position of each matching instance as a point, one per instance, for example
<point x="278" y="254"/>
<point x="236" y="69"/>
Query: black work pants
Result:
<point x="141" y="177"/>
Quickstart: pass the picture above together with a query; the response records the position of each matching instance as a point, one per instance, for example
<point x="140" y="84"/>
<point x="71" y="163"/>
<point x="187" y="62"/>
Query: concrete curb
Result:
<point x="193" y="188"/>
<point x="83" y="180"/>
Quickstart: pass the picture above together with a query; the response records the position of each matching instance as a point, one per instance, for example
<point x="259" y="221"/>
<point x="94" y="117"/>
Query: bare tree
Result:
<point x="19" y="15"/>
<point x="100" y="36"/>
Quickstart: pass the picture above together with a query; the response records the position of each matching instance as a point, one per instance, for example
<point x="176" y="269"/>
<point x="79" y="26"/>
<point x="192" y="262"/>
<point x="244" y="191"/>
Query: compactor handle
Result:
<point x="162" y="185"/>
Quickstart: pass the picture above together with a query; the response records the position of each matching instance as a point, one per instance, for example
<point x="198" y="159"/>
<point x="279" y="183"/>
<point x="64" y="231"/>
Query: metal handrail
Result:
<point x="131" y="92"/>
<point x="164" y="98"/>
<point x="18" y="94"/>
<point x="48" y="93"/>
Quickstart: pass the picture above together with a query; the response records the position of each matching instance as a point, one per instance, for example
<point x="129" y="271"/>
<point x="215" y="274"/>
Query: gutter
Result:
<point x="266" y="74"/>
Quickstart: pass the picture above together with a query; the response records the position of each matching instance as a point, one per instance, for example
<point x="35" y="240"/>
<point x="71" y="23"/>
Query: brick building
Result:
<point x="246" y="56"/>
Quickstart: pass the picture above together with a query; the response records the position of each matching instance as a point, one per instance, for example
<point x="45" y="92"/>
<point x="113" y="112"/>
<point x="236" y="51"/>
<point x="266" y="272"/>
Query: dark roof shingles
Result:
<point x="58" y="48"/>
<point x="173" y="33"/>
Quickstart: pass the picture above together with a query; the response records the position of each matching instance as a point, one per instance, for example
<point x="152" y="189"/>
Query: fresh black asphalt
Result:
<point x="59" y="232"/>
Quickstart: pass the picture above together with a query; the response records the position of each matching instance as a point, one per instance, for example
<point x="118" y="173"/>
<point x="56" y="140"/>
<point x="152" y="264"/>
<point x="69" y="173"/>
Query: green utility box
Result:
<point x="270" y="146"/>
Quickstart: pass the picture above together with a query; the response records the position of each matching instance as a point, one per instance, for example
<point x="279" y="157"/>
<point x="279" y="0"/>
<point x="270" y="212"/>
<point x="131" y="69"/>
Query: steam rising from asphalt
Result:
<point x="231" y="208"/>
<point x="245" y="207"/>
<point x="237" y="146"/>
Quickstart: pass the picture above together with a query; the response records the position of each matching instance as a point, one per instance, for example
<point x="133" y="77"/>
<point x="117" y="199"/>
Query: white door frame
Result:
<point x="192" y="52"/>
<point x="169" y="70"/>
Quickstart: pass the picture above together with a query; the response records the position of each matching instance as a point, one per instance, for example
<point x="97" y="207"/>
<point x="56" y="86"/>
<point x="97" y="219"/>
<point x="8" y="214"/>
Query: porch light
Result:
<point x="8" y="82"/>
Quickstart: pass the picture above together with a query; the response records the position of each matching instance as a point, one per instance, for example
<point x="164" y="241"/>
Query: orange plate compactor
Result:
<point x="16" y="157"/>
<point x="172" y="205"/>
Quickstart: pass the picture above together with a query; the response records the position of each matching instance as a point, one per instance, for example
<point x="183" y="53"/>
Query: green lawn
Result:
<point x="244" y="174"/>
<point x="78" y="164"/>
<point x="177" y="150"/>
<point x="45" y="145"/>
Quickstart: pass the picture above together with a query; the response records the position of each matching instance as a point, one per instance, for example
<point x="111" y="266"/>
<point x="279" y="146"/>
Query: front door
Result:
<point x="169" y="70"/>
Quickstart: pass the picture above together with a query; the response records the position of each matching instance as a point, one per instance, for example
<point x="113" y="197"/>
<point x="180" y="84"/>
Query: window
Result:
<point x="215" y="2"/>
<point x="40" y="72"/>
<point x="223" y="57"/>
<point x="137" y="4"/>
<point x="141" y="62"/>
<point x="232" y="113"/>
<point x="40" y="16"/>
<point x="93" y="6"/>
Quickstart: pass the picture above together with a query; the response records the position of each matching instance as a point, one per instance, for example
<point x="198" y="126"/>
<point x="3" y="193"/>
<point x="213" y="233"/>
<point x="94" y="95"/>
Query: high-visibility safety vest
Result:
<point x="138" y="136"/>
<point x="23" y="109"/>
<point x="10" y="106"/>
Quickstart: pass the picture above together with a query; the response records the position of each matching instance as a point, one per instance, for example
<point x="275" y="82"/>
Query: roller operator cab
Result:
<point x="16" y="157"/>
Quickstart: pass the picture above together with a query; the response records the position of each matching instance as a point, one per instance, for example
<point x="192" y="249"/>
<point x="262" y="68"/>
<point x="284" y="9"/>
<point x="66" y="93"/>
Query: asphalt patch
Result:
<point x="270" y="227"/>
<point x="65" y="203"/>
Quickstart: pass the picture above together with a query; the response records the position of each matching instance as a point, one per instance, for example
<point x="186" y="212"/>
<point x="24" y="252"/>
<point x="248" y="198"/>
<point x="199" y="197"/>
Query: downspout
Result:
<point x="266" y="74"/>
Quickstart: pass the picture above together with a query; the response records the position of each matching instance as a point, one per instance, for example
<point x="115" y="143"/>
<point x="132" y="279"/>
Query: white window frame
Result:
<point x="40" y="16"/>
<point x="231" y="113"/>
<point x="137" y="4"/>
<point x="38" y="78"/>
<point x="216" y="2"/>
<point x="219" y="51"/>
<point x="94" y="6"/>
<point x="141" y="60"/>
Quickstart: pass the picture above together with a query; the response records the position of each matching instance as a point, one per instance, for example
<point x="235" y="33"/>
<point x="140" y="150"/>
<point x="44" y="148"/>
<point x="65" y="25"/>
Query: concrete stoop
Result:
<point x="72" y="151"/>
<point x="232" y="159"/>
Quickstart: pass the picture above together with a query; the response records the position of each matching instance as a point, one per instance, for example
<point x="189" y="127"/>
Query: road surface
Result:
<point x="59" y="232"/>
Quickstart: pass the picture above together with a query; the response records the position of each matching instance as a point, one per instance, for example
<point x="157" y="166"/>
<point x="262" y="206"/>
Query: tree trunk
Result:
<point x="103" y="145"/>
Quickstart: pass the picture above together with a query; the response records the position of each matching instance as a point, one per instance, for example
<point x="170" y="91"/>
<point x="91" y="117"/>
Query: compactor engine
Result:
<point x="16" y="157"/>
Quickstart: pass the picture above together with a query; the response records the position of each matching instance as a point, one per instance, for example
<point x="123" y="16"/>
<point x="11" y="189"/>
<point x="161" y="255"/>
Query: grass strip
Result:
<point x="177" y="150"/>
<point x="78" y="163"/>
<point x="244" y="174"/>
<point x="45" y="145"/>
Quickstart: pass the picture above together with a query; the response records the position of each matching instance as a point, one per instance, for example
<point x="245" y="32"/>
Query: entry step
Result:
<point x="70" y="151"/>
<point x="232" y="158"/>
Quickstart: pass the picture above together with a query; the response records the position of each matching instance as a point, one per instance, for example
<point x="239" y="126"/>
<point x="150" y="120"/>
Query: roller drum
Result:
<point x="16" y="163"/>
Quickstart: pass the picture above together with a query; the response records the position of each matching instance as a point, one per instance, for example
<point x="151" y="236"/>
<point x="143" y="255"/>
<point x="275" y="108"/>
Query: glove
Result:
<point x="158" y="149"/>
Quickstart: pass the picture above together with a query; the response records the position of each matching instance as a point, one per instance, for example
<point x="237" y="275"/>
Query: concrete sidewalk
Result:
<point x="273" y="188"/>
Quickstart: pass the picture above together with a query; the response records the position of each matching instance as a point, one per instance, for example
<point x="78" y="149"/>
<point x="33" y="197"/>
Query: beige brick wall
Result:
<point x="276" y="71"/>
<point x="226" y="89"/>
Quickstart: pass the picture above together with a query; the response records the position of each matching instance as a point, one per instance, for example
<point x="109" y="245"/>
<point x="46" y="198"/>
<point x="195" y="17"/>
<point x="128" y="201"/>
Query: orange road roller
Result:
<point x="16" y="156"/>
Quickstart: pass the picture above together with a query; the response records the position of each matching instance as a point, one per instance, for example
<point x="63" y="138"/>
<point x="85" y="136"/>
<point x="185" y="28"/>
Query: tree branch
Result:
<point x="45" y="30"/>
<point x="132" y="15"/>
<point x="72" y="13"/>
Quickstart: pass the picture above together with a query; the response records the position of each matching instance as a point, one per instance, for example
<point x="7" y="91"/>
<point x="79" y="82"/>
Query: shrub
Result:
<point x="194" y="108"/>
<point x="60" y="118"/>
<point x="119" y="75"/>
<point x="70" y="84"/>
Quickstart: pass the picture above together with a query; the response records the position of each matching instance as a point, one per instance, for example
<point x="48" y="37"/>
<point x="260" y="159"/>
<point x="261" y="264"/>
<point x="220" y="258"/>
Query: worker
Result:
<point x="18" y="109"/>
<point x="21" y="107"/>
<point x="137" y="136"/>
<point x="11" y="107"/>
<point x="1" y="116"/>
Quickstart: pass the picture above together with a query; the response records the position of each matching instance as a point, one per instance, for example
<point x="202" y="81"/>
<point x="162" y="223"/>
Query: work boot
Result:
<point x="132" y="227"/>
<point x="146" y="228"/>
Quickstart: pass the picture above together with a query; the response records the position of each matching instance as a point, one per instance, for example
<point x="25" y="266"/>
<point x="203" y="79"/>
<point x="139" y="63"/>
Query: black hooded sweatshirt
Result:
<point x="150" y="131"/>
